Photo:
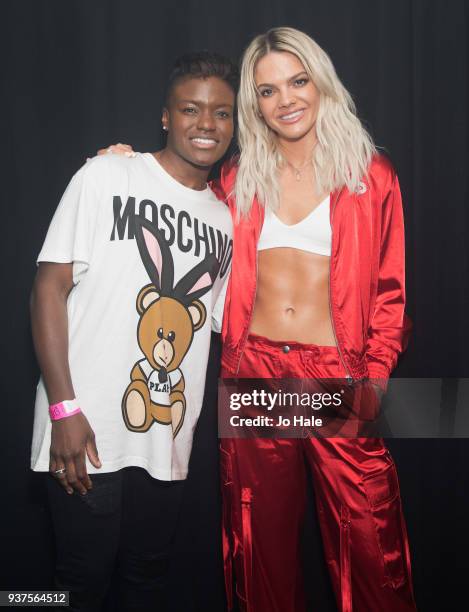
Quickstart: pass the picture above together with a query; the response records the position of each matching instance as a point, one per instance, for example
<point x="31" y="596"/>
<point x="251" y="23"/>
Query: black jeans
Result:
<point x="128" y="519"/>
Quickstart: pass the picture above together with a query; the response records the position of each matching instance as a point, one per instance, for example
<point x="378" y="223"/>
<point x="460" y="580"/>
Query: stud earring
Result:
<point x="165" y="128"/>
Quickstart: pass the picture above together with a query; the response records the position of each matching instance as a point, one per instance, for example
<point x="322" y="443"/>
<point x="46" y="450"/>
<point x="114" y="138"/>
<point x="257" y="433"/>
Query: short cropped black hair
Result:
<point x="203" y="64"/>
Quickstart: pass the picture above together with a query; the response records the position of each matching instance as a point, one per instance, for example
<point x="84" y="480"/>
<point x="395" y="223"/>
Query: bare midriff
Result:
<point x="292" y="299"/>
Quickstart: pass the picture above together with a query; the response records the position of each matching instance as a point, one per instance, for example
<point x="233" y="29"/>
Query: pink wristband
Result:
<point x="64" y="409"/>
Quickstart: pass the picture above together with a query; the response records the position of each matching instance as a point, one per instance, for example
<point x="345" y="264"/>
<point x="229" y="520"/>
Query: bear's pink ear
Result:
<point x="154" y="250"/>
<point x="195" y="283"/>
<point x="203" y="282"/>
<point x="156" y="255"/>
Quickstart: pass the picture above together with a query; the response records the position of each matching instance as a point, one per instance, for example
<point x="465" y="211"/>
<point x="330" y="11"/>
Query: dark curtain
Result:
<point x="79" y="75"/>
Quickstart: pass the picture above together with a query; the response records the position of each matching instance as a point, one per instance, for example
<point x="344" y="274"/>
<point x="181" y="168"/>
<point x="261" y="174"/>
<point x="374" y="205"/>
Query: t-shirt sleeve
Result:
<point x="71" y="233"/>
<point x="217" y="312"/>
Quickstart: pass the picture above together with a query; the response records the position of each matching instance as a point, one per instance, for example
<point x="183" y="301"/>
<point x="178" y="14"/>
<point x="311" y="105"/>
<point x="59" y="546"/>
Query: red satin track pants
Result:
<point x="357" y="496"/>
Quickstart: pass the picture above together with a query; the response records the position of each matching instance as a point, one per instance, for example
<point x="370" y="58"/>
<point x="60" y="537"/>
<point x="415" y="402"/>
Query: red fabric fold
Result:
<point x="227" y="563"/>
<point x="246" y="499"/>
<point x="345" y="570"/>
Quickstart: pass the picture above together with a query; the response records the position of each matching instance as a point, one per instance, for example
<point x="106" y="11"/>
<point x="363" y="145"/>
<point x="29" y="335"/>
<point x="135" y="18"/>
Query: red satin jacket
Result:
<point x="367" y="274"/>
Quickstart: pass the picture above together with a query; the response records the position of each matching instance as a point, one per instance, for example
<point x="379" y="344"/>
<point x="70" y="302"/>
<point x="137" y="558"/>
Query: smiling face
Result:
<point x="288" y="99"/>
<point x="199" y="119"/>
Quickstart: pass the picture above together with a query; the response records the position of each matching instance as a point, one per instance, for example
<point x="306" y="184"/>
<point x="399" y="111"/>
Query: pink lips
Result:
<point x="292" y="117"/>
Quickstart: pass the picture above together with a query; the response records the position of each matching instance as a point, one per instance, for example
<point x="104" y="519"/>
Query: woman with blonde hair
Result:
<point x="316" y="291"/>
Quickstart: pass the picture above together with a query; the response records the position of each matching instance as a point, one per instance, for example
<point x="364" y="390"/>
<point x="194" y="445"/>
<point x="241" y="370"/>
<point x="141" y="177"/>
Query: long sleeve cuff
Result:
<point x="378" y="373"/>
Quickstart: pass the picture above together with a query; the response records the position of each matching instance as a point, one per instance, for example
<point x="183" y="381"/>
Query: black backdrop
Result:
<point x="80" y="74"/>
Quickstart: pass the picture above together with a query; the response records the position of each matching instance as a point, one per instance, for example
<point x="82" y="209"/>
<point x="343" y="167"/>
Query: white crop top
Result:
<point x="312" y="234"/>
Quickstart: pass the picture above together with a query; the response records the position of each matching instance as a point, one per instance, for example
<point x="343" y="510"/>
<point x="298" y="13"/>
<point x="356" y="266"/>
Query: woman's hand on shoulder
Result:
<point x="118" y="149"/>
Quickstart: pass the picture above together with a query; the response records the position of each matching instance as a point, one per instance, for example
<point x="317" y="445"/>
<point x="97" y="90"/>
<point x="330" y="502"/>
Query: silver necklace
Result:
<point x="297" y="170"/>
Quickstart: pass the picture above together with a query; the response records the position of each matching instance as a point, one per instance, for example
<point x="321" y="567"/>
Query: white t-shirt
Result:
<point x="150" y="258"/>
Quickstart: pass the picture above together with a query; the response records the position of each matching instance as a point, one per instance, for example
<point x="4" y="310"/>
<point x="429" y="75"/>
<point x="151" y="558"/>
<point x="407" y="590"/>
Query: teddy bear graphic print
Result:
<point x="170" y="314"/>
<point x="151" y="260"/>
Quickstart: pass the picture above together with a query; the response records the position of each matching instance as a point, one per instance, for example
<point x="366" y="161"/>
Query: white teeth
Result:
<point x="292" y="115"/>
<point x="205" y="140"/>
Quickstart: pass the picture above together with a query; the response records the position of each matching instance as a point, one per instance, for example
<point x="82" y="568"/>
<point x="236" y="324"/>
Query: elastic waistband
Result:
<point x="254" y="340"/>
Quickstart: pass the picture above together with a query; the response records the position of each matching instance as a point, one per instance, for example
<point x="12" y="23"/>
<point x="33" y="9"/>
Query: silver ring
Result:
<point x="61" y="471"/>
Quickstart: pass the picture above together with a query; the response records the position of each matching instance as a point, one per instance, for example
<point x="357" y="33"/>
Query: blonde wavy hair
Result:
<point x="344" y="148"/>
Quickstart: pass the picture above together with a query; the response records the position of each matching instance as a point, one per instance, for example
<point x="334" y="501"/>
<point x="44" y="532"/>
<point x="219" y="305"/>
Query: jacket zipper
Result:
<point x="348" y="377"/>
